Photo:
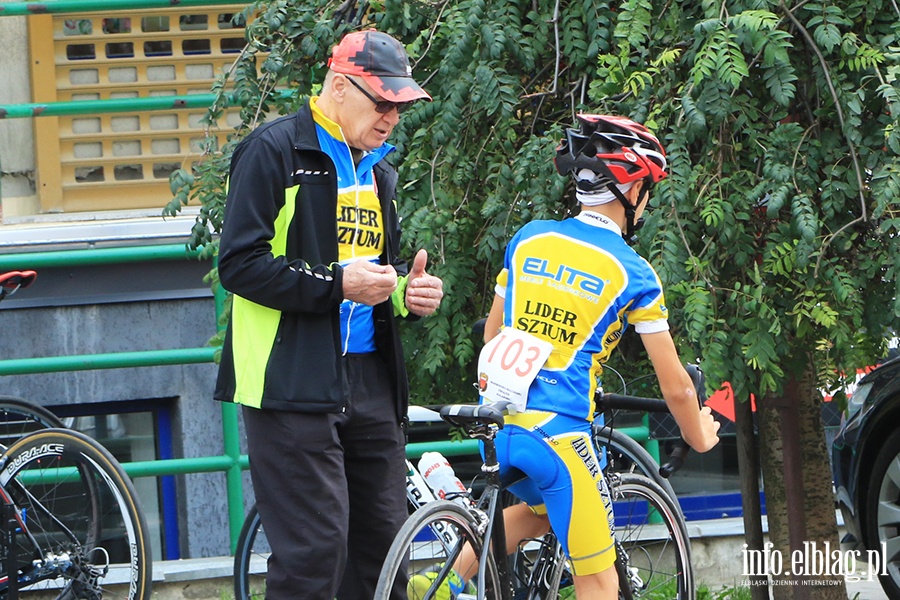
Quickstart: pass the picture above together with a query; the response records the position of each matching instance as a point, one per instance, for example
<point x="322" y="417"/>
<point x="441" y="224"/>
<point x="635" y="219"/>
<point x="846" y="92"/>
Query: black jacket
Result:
<point x="278" y="254"/>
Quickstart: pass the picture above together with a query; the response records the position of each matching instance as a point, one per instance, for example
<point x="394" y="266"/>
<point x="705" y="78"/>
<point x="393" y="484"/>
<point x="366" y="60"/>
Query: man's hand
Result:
<point x="368" y="283"/>
<point x="423" y="291"/>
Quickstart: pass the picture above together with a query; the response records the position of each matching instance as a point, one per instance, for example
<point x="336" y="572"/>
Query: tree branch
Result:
<point x="555" y="21"/>
<point x="840" y="113"/>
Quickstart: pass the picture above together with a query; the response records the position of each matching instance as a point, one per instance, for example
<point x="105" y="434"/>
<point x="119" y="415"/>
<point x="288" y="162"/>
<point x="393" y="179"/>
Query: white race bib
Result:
<point x="509" y="363"/>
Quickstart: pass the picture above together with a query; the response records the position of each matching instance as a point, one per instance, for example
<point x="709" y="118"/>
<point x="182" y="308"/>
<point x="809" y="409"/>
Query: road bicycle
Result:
<point x="623" y="455"/>
<point x="71" y="526"/>
<point x="652" y="545"/>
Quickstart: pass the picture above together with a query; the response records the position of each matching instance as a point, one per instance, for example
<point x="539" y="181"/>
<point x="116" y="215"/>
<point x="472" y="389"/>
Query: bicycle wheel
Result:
<point x="19" y="417"/>
<point x="251" y="559"/>
<point x="652" y="545"/>
<point x="430" y="541"/>
<point x="624" y="455"/>
<point x="652" y="539"/>
<point x="81" y="532"/>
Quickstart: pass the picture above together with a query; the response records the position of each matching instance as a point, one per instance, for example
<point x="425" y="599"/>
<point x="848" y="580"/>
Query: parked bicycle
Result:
<point x="71" y="526"/>
<point x="652" y="545"/>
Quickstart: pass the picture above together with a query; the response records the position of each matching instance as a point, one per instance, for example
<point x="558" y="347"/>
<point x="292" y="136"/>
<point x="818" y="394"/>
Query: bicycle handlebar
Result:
<point x="626" y="402"/>
<point x="680" y="450"/>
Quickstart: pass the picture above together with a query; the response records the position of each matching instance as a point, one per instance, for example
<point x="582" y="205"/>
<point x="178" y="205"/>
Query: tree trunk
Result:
<point x="799" y="499"/>
<point x="748" y="467"/>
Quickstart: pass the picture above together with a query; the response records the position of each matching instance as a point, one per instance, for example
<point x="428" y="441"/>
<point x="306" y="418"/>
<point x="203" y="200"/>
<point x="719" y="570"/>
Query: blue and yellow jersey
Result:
<point x="359" y="221"/>
<point x="576" y="284"/>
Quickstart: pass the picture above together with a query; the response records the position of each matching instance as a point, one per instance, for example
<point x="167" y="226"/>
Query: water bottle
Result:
<point x="440" y="477"/>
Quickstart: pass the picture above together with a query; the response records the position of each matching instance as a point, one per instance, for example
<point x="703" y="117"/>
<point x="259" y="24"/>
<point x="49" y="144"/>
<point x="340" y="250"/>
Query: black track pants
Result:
<point x="330" y="489"/>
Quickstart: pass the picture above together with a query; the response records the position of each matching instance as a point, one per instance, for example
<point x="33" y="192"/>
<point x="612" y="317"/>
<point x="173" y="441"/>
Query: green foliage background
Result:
<point x="776" y="232"/>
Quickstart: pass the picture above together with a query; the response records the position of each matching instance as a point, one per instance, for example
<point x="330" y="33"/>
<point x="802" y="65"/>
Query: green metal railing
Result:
<point x="231" y="461"/>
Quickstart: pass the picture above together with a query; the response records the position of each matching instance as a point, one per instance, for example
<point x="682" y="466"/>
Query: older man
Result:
<point x="310" y="250"/>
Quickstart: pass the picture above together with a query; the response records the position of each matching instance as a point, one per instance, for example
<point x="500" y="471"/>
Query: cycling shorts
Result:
<point x="563" y="479"/>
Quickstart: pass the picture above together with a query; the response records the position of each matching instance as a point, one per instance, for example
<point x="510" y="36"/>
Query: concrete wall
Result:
<point x="16" y="135"/>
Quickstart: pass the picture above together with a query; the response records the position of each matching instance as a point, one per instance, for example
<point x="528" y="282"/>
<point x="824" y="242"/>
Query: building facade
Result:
<point x="81" y="195"/>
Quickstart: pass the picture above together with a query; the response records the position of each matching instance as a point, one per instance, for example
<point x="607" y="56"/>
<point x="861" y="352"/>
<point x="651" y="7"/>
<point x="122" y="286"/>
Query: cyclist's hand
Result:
<point x="368" y="283"/>
<point x="423" y="291"/>
<point x="708" y="432"/>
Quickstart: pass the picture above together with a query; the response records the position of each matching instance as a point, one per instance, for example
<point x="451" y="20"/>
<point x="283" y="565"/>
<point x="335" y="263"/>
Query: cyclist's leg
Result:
<point x="597" y="586"/>
<point x="521" y="522"/>
<point x="557" y="454"/>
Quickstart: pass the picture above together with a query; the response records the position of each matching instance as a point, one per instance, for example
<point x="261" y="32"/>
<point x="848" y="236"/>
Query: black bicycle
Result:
<point x="653" y="550"/>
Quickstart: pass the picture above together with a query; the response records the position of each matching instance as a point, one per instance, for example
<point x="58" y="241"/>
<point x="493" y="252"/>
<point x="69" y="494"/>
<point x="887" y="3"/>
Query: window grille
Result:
<point x="122" y="160"/>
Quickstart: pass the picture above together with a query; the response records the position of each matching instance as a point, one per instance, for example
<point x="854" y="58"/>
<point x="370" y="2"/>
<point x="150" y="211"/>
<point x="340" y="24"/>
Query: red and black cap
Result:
<point x="381" y="61"/>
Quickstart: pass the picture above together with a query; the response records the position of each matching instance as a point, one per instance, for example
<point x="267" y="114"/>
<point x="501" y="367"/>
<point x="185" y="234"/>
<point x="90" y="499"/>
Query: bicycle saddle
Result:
<point x="462" y="415"/>
<point x="17" y="279"/>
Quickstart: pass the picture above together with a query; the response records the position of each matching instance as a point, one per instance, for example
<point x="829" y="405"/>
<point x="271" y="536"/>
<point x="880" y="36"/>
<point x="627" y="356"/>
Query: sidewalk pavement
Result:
<point x="865" y="590"/>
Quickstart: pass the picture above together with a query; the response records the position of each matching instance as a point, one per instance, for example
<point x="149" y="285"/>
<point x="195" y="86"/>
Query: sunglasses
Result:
<point x="382" y="106"/>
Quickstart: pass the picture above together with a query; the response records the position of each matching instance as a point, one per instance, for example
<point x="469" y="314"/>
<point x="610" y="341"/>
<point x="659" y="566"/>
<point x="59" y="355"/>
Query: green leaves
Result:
<point x="775" y="232"/>
<point x="721" y="58"/>
<point x="825" y="23"/>
<point x="634" y="22"/>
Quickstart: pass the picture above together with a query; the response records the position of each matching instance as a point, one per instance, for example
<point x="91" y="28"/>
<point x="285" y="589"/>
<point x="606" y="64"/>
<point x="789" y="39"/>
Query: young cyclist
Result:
<point x="577" y="284"/>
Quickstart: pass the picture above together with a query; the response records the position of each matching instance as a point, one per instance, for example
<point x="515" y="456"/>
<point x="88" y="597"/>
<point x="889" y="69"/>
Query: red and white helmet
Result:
<point x="615" y="149"/>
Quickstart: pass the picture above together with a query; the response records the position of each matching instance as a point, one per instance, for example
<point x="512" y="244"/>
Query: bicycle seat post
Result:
<point x="490" y="467"/>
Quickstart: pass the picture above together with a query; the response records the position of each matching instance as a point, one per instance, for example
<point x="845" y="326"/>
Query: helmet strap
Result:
<point x="630" y="225"/>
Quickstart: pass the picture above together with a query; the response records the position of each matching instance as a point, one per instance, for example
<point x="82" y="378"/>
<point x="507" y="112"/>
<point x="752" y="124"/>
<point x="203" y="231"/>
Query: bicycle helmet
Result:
<point x="607" y="152"/>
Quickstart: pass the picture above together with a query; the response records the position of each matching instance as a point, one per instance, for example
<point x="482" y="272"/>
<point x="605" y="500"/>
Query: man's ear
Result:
<point x="634" y="193"/>
<point x="337" y="85"/>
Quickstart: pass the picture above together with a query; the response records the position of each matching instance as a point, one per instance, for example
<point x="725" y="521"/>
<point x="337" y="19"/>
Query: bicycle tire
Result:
<point x="628" y="456"/>
<point x="80" y="553"/>
<point x="657" y="555"/>
<point x="19" y="417"/>
<point x="432" y="536"/>
<point x="250" y="558"/>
